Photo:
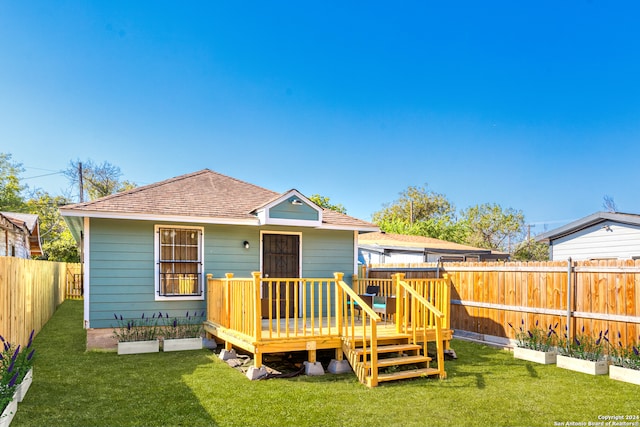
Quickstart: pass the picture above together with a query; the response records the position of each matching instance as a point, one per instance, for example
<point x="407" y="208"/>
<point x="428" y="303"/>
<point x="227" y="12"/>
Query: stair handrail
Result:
<point x="419" y="299"/>
<point x="342" y="309"/>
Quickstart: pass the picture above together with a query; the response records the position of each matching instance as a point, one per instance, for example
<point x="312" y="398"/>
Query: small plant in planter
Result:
<point x="625" y="362"/>
<point x="536" y="338"/>
<point x="584" y="353"/>
<point x="137" y="335"/>
<point x="183" y="333"/>
<point x="23" y="365"/>
<point x="8" y="382"/>
<point x="536" y="344"/>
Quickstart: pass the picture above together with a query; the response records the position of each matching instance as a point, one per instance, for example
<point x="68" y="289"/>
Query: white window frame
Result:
<point x="156" y="269"/>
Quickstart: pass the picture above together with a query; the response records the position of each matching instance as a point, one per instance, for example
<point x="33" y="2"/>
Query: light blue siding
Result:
<point x="122" y="263"/>
<point x="287" y="210"/>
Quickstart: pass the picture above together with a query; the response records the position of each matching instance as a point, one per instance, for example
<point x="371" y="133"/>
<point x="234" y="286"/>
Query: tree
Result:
<point x="416" y="204"/>
<point x="421" y="212"/>
<point x="11" y="198"/>
<point x="530" y="250"/>
<point x="97" y="180"/>
<point x="608" y="204"/>
<point x="324" y="202"/>
<point x="438" y="228"/>
<point x="492" y="227"/>
<point x="57" y="242"/>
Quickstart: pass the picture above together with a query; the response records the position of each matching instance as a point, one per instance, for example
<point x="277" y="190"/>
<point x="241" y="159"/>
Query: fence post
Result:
<point x="569" y="271"/>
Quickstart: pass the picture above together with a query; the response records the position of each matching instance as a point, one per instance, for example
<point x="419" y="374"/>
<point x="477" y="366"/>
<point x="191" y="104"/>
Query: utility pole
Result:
<point x="80" y="182"/>
<point x="411" y="212"/>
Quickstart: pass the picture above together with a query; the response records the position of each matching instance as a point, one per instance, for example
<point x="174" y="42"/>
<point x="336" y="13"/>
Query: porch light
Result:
<point x="245" y="244"/>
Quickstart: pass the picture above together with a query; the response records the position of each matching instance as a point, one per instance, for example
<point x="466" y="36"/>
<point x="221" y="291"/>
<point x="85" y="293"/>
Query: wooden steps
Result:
<point x="397" y="359"/>
<point x="395" y="348"/>
<point x="402" y="360"/>
<point x="410" y="373"/>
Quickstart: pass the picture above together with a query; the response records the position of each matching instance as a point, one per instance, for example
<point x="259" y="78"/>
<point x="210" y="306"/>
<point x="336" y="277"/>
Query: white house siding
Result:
<point x="605" y="240"/>
<point x="14" y="243"/>
<point x="377" y="257"/>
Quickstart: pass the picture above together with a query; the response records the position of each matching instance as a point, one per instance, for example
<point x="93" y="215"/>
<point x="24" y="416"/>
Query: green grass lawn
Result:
<point x="485" y="387"/>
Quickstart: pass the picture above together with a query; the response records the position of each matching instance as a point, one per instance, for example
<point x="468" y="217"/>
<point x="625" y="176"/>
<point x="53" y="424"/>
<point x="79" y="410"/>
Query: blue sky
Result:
<point x="531" y="105"/>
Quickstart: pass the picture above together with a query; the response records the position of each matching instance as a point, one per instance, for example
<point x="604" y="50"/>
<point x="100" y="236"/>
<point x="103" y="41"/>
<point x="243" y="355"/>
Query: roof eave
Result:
<point x="156" y="217"/>
<point x="587" y="222"/>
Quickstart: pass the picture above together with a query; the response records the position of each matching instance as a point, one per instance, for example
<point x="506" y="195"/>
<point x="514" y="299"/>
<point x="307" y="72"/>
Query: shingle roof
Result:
<point x="390" y="240"/>
<point x="588" y="221"/>
<point x="204" y="195"/>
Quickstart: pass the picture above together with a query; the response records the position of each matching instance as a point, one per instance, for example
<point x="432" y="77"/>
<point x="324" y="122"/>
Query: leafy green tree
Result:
<point x="421" y="212"/>
<point x="492" y="227"/>
<point x="11" y="189"/>
<point x="416" y="204"/>
<point x="530" y="250"/>
<point x="98" y="180"/>
<point x="439" y="228"/>
<point x="57" y="242"/>
<point x="324" y="202"/>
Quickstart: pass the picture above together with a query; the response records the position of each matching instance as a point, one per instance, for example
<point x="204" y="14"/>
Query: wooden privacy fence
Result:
<point x="30" y="292"/>
<point x="594" y="295"/>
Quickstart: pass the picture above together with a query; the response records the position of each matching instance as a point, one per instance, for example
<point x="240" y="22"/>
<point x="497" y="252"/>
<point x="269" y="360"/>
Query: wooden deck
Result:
<point x="319" y="314"/>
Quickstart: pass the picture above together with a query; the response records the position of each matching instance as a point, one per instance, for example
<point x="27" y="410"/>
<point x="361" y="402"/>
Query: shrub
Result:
<point x="189" y="326"/>
<point x="584" y="346"/>
<point x="625" y="357"/>
<point x="14" y="365"/>
<point x="142" y="329"/>
<point x="536" y="338"/>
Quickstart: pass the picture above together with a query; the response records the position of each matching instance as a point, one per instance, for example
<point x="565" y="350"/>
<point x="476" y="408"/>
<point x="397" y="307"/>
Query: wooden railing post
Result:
<point x="339" y="299"/>
<point x="227" y="299"/>
<point x="257" y="307"/>
<point x="209" y="298"/>
<point x="446" y="302"/>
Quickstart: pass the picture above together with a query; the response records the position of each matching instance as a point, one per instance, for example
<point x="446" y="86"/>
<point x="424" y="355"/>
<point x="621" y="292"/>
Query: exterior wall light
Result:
<point x="245" y="244"/>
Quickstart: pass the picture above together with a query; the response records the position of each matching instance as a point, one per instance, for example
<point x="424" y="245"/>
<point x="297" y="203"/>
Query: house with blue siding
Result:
<point x="150" y="249"/>
<point x="599" y="236"/>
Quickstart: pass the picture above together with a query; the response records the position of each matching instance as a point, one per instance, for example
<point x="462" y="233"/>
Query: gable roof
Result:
<point x="204" y="196"/>
<point x="29" y="223"/>
<point x="407" y="242"/>
<point x="588" y="221"/>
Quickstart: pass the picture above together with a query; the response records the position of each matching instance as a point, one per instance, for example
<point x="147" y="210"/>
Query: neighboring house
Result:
<point x="602" y="235"/>
<point x="19" y="235"/>
<point x="149" y="249"/>
<point x="387" y="248"/>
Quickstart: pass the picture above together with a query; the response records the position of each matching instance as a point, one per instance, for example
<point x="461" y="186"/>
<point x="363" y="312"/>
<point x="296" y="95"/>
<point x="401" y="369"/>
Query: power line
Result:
<point x="46" y="174"/>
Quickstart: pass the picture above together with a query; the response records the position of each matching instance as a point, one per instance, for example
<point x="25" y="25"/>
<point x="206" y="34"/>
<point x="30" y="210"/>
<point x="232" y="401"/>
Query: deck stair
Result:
<point x="396" y="359"/>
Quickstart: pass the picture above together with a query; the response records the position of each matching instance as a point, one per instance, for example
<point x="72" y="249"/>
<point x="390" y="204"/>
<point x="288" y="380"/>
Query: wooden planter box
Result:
<point x="543" y="357"/>
<point x="23" y="387"/>
<point x="624" y="374"/>
<point x="585" y="366"/>
<point x="137" y="347"/>
<point x="180" y="344"/>
<point x="9" y="412"/>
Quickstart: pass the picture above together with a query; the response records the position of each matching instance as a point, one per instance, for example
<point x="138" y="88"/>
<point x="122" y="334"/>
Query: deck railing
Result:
<point x="422" y="306"/>
<point x="385" y="286"/>
<point x="273" y="308"/>
<point x="346" y="300"/>
<point x="266" y="309"/>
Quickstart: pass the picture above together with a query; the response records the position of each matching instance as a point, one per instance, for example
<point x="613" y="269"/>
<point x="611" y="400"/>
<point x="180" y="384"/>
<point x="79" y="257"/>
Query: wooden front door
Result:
<point x="280" y="259"/>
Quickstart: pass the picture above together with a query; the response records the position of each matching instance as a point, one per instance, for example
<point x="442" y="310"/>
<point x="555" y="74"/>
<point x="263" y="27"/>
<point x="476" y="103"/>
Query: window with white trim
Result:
<point x="179" y="262"/>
